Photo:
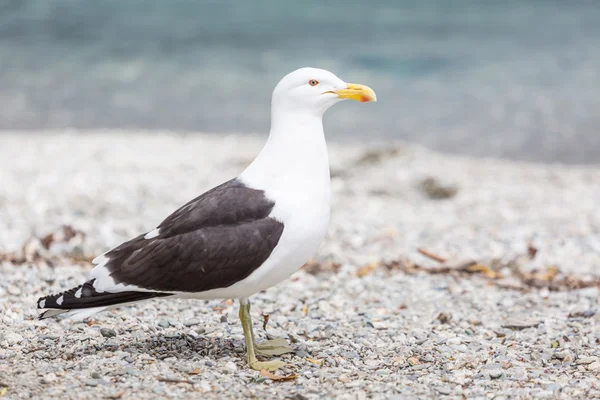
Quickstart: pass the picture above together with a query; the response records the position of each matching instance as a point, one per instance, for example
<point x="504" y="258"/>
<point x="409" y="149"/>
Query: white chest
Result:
<point x="293" y="171"/>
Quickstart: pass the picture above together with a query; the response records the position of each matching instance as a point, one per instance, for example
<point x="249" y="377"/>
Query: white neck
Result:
<point x="294" y="157"/>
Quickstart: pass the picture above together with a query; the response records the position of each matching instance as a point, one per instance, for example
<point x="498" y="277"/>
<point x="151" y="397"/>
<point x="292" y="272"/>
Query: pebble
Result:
<point x="455" y="341"/>
<point x="586" y="360"/>
<point x="413" y="361"/>
<point x="14" y="290"/>
<point x="443" y="390"/>
<point x="521" y="323"/>
<point x="230" y="366"/>
<point x="49" y="378"/>
<point x="163" y="323"/>
<point x="561" y="355"/>
<point x="495" y="373"/>
<point x="12" y="338"/>
<point x="302" y="353"/>
<point x="108" y="333"/>
<point x="372" y="363"/>
<point x="594" y="367"/>
<point x="134" y="372"/>
<point x="191" y="322"/>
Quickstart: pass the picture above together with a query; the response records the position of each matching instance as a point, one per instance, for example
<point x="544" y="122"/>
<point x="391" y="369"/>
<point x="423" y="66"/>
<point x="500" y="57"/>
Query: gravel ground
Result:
<point x="371" y="317"/>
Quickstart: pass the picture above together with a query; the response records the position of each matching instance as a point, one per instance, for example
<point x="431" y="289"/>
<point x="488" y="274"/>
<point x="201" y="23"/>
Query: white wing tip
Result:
<point x="152" y="234"/>
<point x="100" y="260"/>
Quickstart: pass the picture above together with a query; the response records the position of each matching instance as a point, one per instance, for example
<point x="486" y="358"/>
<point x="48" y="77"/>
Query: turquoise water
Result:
<point x="516" y="79"/>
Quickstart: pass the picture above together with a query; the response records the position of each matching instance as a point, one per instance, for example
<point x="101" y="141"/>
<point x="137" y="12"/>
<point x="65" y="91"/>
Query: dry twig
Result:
<point x="431" y="255"/>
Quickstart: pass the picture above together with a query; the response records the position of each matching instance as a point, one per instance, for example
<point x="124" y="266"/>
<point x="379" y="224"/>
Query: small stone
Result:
<point x="413" y="361"/>
<point x="301" y="353"/>
<point x="371" y="363"/>
<point x="224" y="319"/>
<point x="163" y="323"/>
<point x="129" y="359"/>
<point x="552" y="387"/>
<point x="209" y="363"/>
<point x="14" y="290"/>
<point x="91" y="382"/>
<point x="343" y="378"/>
<point x="106" y="332"/>
<point x="594" y="367"/>
<point x="191" y="322"/>
<point x="495" y="373"/>
<point x="12" y="338"/>
<point x="204" y="385"/>
<point x="230" y="366"/>
<point x="455" y="341"/>
<point x="111" y="346"/>
<point x="436" y="190"/>
<point x="561" y="355"/>
<point x="586" y="360"/>
<point x="49" y="378"/>
<point x="95" y="375"/>
<point x="521" y="323"/>
<point x="133" y="372"/>
<point x="443" y="390"/>
<point x="354" y="384"/>
<point x="419" y="334"/>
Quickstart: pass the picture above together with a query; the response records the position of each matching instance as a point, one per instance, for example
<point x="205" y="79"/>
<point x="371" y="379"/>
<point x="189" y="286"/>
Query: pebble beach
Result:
<point x="442" y="276"/>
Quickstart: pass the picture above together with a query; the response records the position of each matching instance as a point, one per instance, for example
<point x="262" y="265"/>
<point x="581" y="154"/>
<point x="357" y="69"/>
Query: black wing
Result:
<point x="214" y="241"/>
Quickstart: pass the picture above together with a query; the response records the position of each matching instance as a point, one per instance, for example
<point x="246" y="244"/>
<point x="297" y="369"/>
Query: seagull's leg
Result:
<point x="249" y="338"/>
<point x="273" y="347"/>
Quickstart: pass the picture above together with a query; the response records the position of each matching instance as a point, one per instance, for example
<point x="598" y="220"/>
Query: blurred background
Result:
<point x="517" y="79"/>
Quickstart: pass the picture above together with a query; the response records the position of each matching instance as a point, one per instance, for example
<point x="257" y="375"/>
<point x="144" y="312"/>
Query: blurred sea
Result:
<point x="512" y="78"/>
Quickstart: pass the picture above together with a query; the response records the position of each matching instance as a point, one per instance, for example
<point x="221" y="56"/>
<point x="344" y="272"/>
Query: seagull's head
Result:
<point x="315" y="90"/>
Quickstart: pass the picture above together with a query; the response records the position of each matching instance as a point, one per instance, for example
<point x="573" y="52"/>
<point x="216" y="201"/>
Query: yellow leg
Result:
<point x="253" y="363"/>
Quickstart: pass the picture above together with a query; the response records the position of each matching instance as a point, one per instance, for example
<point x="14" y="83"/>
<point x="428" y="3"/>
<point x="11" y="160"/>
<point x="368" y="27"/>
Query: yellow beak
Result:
<point x="356" y="92"/>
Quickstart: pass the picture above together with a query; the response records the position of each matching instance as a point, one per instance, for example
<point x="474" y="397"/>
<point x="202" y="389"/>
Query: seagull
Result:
<point x="241" y="237"/>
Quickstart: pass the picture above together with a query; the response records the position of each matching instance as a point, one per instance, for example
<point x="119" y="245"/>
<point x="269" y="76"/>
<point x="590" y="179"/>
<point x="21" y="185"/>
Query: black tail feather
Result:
<point x="86" y="296"/>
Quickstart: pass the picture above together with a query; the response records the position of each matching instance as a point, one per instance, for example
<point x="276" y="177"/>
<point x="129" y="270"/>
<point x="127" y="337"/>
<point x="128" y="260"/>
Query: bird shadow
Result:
<point x="184" y="346"/>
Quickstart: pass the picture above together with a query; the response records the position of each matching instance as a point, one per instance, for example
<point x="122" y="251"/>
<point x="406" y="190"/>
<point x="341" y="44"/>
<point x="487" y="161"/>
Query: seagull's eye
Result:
<point x="313" y="82"/>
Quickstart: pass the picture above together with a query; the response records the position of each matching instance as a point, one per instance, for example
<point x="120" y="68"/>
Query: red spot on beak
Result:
<point x="364" y="99"/>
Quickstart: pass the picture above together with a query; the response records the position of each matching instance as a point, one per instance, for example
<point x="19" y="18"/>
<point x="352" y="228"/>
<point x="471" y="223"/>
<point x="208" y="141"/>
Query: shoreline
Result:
<point x="349" y="142"/>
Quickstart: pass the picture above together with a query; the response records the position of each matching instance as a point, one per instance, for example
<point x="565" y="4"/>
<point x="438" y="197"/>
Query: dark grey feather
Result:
<point x="213" y="241"/>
